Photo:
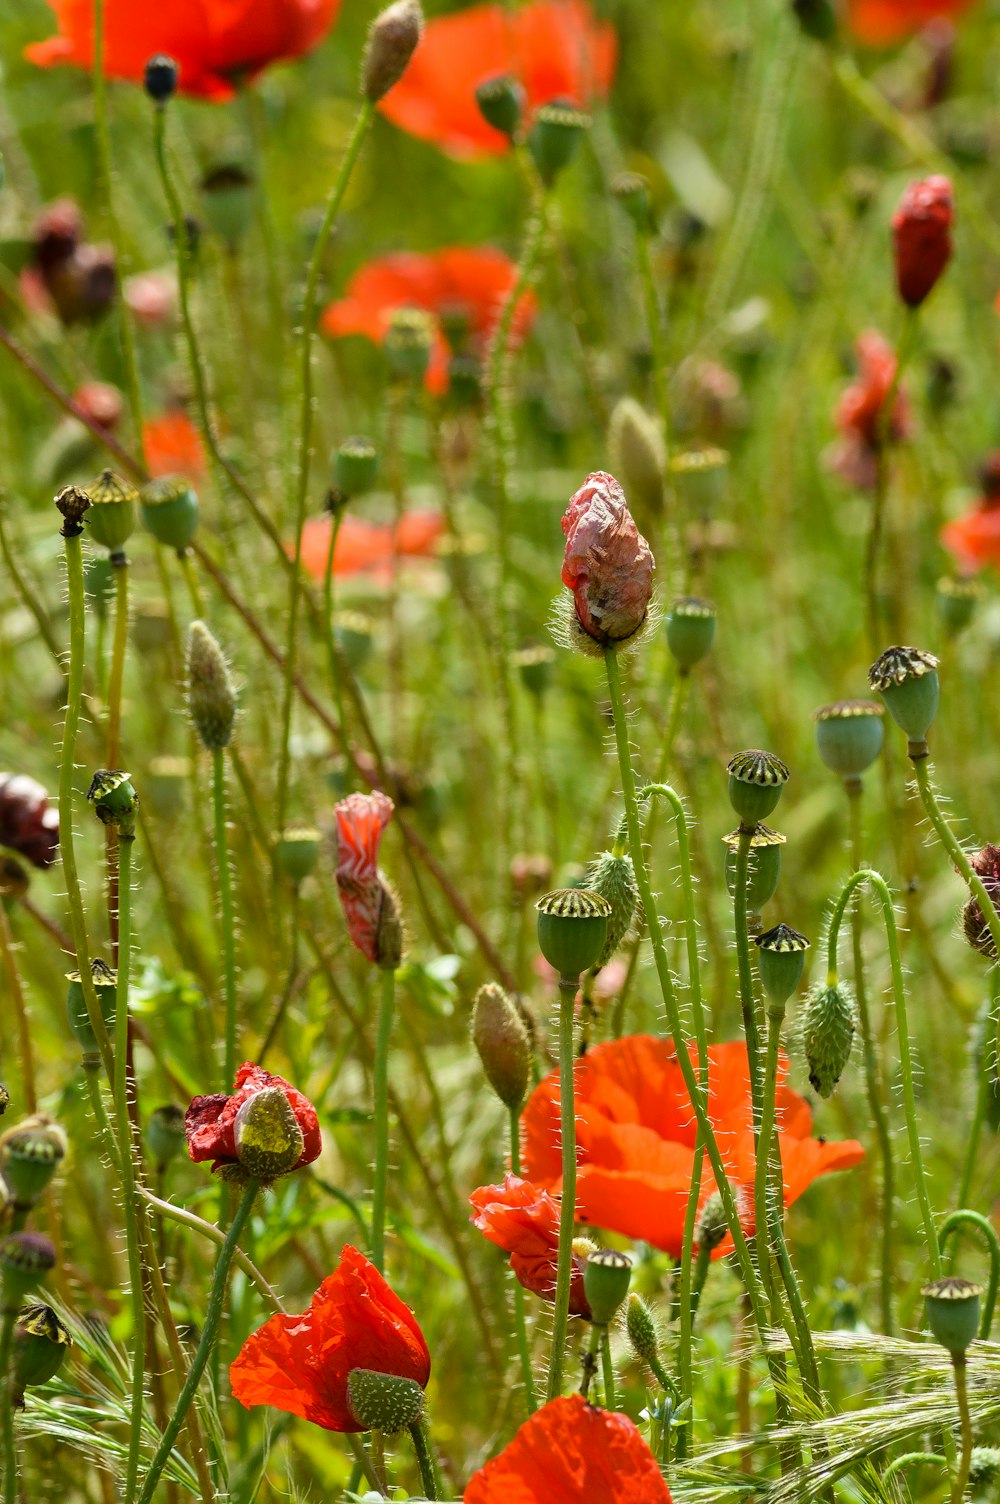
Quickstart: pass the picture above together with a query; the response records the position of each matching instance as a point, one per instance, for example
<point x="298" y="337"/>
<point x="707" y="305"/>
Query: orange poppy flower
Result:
<point x="213" y="41"/>
<point x="974" y="538"/>
<point x="301" y="1364"/>
<point x="880" y="23"/>
<point x="363" y="545"/>
<point x="523" y="1220"/>
<point x="569" y="1451"/>
<point x="636" y="1130"/>
<point x="173" y="446"/>
<point x="469" y="280"/>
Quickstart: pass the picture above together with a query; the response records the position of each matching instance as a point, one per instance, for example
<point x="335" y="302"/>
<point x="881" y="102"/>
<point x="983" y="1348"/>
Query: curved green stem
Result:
<point x="961" y="1478"/>
<point x="965" y="1217"/>
<point x="215" y="1235"/>
<point x="945" y="834"/>
<point x="126" y="1158"/>
<point x="387" y="1003"/>
<point x="228" y="913"/>
<point x="425" y="1460"/>
<point x="912" y="1459"/>
<point x="567" y="1208"/>
<point x="520" y="1313"/>
<point x="985" y="1058"/>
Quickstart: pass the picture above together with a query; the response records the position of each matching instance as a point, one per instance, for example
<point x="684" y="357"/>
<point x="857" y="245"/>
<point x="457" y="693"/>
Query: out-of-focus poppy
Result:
<point x="301" y="1364"/>
<point x="29" y="824"/>
<point x="859" y="413"/>
<point x="921" y="236"/>
<point x="636" y="1131"/>
<point x="369" y="907"/>
<point x="214" y="42"/>
<point x="465" y="283"/>
<point x="173" y="446"/>
<point x="363" y="545"/>
<point x="974" y="538"/>
<point x="556" y="49"/>
<point x="569" y="1451"/>
<point x="880" y="23"/>
<point x="523" y="1220"/>
<point x="210" y="1122"/>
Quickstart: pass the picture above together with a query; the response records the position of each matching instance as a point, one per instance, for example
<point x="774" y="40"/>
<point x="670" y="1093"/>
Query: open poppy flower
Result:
<point x="173" y="446"/>
<point x="569" y="1451"/>
<point x="301" y="1364"/>
<point x="880" y="23"/>
<point x="369" y="907"/>
<point x="468" y="280"/>
<point x="523" y="1220"/>
<point x="210" y="1122"/>
<point x="212" y="41"/>
<point x="556" y="49"/>
<point x="636" y="1130"/>
<point x="363" y="545"/>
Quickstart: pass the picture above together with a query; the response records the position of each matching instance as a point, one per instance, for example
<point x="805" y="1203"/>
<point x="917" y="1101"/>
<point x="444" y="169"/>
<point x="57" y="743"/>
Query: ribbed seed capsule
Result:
<point x="952" y="1306"/>
<point x="613" y="877"/>
<point x="781" y="955"/>
<point x="756" y="780"/>
<point x="211" y="693"/>
<point x="907" y="680"/>
<point x="572" y="929"/>
<point x="764" y="871"/>
<point x="828" y="1025"/>
<point x="849" y="736"/>
<point x="113" y="511"/>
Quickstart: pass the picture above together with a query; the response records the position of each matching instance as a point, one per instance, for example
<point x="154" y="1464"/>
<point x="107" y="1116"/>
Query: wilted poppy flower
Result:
<point x="986" y="865"/>
<point x="859" y="412"/>
<point x="214" y="42"/>
<point x="173" y="446"/>
<point x="467" y="283"/>
<point x="301" y="1364"/>
<point x="635" y="1131"/>
<point x="556" y="49"/>
<point x="210" y="1122"/>
<point x="523" y="1220"/>
<point x="607" y="562"/>
<point x="567" y="1452"/>
<point x="29" y="825"/>
<point x="921" y="236"/>
<point x="371" y="546"/>
<point x="369" y="906"/>
<point x="880" y="23"/>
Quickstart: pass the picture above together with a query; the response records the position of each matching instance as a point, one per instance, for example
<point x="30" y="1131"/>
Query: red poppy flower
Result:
<point x="557" y="49"/>
<point x="361" y="821"/>
<point x="29" y="825"/>
<point x="880" y="23"/>
<point x="365" y="545"/>
<point x="858" y="414"/>
<point x="301" y="1364"/>
<point x="523" y="1220"/>
<point x="173" y="446"/>
<point x="921" y="236"/>
<point x="974" y="538"/>
<point x="471" y="280"/>
<point x="607" y="563"/>
<point x="635" y="1137"/>
<point x="210" y="1122"/>
<point x="569" y="1451"/>
<point x="213" y="41"/>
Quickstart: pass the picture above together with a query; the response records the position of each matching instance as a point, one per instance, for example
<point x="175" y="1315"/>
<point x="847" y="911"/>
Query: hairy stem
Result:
<point x="567" y="1208"/>
<point x="386" y="1009"/>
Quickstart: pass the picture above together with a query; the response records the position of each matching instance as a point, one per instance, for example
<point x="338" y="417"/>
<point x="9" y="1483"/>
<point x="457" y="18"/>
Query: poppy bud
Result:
<point x="641" y="1328"/>
<point x="29" y="825"/>
<point x="636" y="446"/>
<point x="607" y="564"/>
<point x="756" y="780"/>
<point x="211" y="693"/>
<point x="355" y="466"/>
<point x="392" y="41"/>
<point x="25" y="1259"/>
<point x="817" y="18"/>
<point x="106" y="988"/>
<point x="112" y="515"/>
<point x="41" y="1344"/>
<point x="555" y="134"/>
<point x="986" y="865"/>
<point x="849" y="736"/>
<point x="296" y="852"/>
<point x="690" y="631"/>
<point x="781" y="955"/>
<point x="907" y="680"/>
<point x="572" y="929"/>
<point x="384" y="1402"/>
<point x="269" y="1141"/>
<point x="389" y="932"/>
<point x="227" y="195"/>
<point x="631" y="190"/>
<point x="828" y="1025"/>
<point x="164" y="1134"/>
<point x="613" y="877"/>
<point x="711" y="1226"/>
<point x="921" y="237"/>
<point x="73" y="502"/>
<point x="160" y="78"/>
<point x="169" y="509"/>
<point x="952" y="1306"/>
<point x="115" y="801"/>
<point x="534" y="664"/>
<point x="30" y="1154"/>
<point x="501" y="103"/>
<point x="764" y="870"/>
<point x="407" y="343"/>
<point x="956" y="602"/>
<point x="606" y="1278"/>
<point x="501" y="1038"/>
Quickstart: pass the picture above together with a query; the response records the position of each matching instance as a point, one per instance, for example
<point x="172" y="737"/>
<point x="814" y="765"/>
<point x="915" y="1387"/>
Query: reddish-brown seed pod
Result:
<point x="921" y="237"/>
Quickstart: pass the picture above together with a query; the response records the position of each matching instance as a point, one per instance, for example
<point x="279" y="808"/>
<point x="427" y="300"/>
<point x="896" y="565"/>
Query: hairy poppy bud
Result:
<point x="392" y="41"/>
<point x="690" y="631"/>
<point x="606" y="1278"/>
<point x="613" y="877"/>
<point x="164" y="1134"/>
<point x="408" y="342"/>
<point x="115" y="801"/>
<point x="30" y="1154"/>
<point x="907" y="680"/>
<point x="113" y="513"/>
<point x="502" y="1040"/>
<point x="921" y="237"/>
<point x="607" y="564"/>
<point x="384" y="1402"/>
<point x="41" y="1343"/>
<point x="211" y="693"/>
<point x="952" y="1307"/>
<point x="355" y="466"/>
<point x="555" y="134"/>
<point x="781" y="955"/>
<point x="160" y="78"/>
<point x="641" y="1328"/>
<point x="227" y="195"/>
<point x="25" y="1259"/>
<point x="984" y="1465"/>
<point x="29" y="825"/>
<point x="756" y="780"/>
<point x="764" y="870"/>
<point x="986" y="865"/>
<point x="849" y="737"/>
<point x="711" y="1226"/>
<point x="501" y="103"/>
<point x="828" y="1024"/>
<point x="73" y="503"/>
<point x="639" y="456"/>
<point x="169" y="509"/>
<point x="631" y="190"/>
<point x="106" y="988"/>
<point x="572" y="929"/>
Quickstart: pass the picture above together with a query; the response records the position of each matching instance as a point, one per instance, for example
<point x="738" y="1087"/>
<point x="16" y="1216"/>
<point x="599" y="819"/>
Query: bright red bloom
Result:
<point x="29" y="824"/>
<point x="361" y="821"/>
<point x="523" y="1220"/>
<point x="880" y="23"/>
<point x="607" y="563"/>
<point x="471" y="279"/>
<point x="173" y="446"/>
<point x="635" y="1137"/>
<point x="557" y="49"/>
<point x="213" y="41"/>
<point x="301" y="1364"/>
<point x="921" y="237"/>
<point x="210" y="1122"/>
<point x="567" y="1452"/>
<point x="858" y="414"/>
<point x="363" y="545"/>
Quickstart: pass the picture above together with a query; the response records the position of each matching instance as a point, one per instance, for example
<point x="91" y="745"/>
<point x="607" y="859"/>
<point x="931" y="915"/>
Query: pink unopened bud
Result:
<point x="608" y="564"/>
<point x="921" y="237"/>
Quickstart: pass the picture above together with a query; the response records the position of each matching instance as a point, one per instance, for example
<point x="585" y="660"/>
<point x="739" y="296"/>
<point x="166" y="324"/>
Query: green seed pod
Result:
<point x="631" y="190"/>
<point x="690" y="631"/>
<point x="817" y="18"/>
<point x="641" y="1328"/>
<point x="106" y="988"/>
<point x="764" y="869"/>
<point x="30" y="1154"/>
<point x="115" y="800"/>
<point x="534" y="664"/>
<point x="99" y="582"/>
<point x="639" y="458"/>
<point x="952" y="1306"/>
<point x="501" y="103"/>
<point x="555" y="134"/>
<point x="113" y="511"/>
<point x="828" y="1024"/>
<point x="606" y="1278"/>
<point x="384" y="1402"/>
<point x="354" y="466"/>
<point x="572" y="929"/>
<point x="756" y="780"/>
<point x="228" y="192"/>
<point x="502" y="1040"/>
<point x="392" y="41"/>
<point x="211" y="693"/>
<point x="296" y="852"/>
<point x="166" y="784"/>
<point x="907" y="680"/>
<point x="701" y="476"/>
<point x="957" y="601"/>
<point x="269" y="1141"/>
<point x="164" y="1134"/>
<point x="711" y="1227"/>
<point x="25" y="1259"/>
<point x="353" y="631"/>
<point x="613" y="877"/>
<point x="170" y="511"/>
<point x="849" y="736"/>
<point x="407" y="343"/>
<point x="73" y="503"/>
<point x="781" y="955"/>
<point x="41" y="1344"/>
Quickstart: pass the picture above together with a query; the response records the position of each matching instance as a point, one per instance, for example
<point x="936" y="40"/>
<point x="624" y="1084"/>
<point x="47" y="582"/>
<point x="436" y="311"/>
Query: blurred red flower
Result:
<point x="301" y="1364"/>
<point x="921" y="236"/>
<point x="210" y="1122"/>
<point x="29" y="824"/>
<point x="214" y="42"/>
<point x="567" y="1452"/>
<point x="607" y="562"/>
<point x="974" y="538"/>
<point x="101" y="402"/>
<point x="365" y="545"/>
<point x="523" y="1220"/>
<point x="635" y="1137"/>
<point x="557" y="49"/>
<point x="361" y="822"/>
<point x="173" y="446"/>
<point x="468" y="280"/>
<point x="880" y="23"/>
<point x="858" y="414"/>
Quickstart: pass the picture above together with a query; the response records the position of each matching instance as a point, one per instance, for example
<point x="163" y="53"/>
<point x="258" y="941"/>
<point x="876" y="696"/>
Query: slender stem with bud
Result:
<point x="16" y="991"/>
<point x="228" y="914"/>
<point x="386" y="1009"/>
<point x="520" y="1313"/>
<point x="567" y="1206"/>
<point x="328" y="626"/>
<point x="945" y="834"/>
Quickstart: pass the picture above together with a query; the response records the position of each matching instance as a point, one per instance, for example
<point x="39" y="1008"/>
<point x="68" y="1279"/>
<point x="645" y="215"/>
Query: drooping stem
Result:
<point x="386" y="1008"/>
<point x="945" y="834"/>
<point x="16" y="991"/>
<point x="227" y="911"/>
<point x="215" y="1235"/>
<point x="567" y="1208"/>
<point x="126" y="1160"/>
<point x="520" y="1313"/>
<point x="964" y="1217"/>
<point x="425" y="1460"/>
<point x="961" y="1478"/>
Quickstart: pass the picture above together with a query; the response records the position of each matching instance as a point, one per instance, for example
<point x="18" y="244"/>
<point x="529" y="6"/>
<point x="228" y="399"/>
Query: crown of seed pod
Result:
<point x="907" y="680"/>
<point x="952" y="1306"/>
<point x="572" y="928"/>
<point x="169" y="507"/>
<point x="392" y="41"/>
<point x="613" y="877"/>
<point x="355" y="466"/>
<point x="639" y="457"/>
<point x="106" y="988"/>
<point x="501" y="1037"/>
<point x="631" y="190"/>
<point x="986" y="865"/>
<point x="501" y="103"/>
<point x="690" y="630"/>
<point x="408" y="342"/>
<point x="828" y="1023"/>
<point x="556" y="132"/>
<point x="756" y="781"/>
<point x="115" y="801"/>
<point x="781" y="956"/>
<point x="957" y="601"/>
<point x="41" y="1344"/>
<point x="606" y="1278"/>
<point x="296" y="852"/>
<point x="711" y="1226"/>
<point x="25" y="1259"/>
<point x="113" y="511"/>
<point x="849" y="736"/>
<point x="164" y="1134"/>
<point x="764" y="870"/>
<point x="30" y="1154"/>
<point x="73" y="503"/>
<point x="211" y="693"/>
<point x="641" y="1327"/>
<point x="384" y="1402"/>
